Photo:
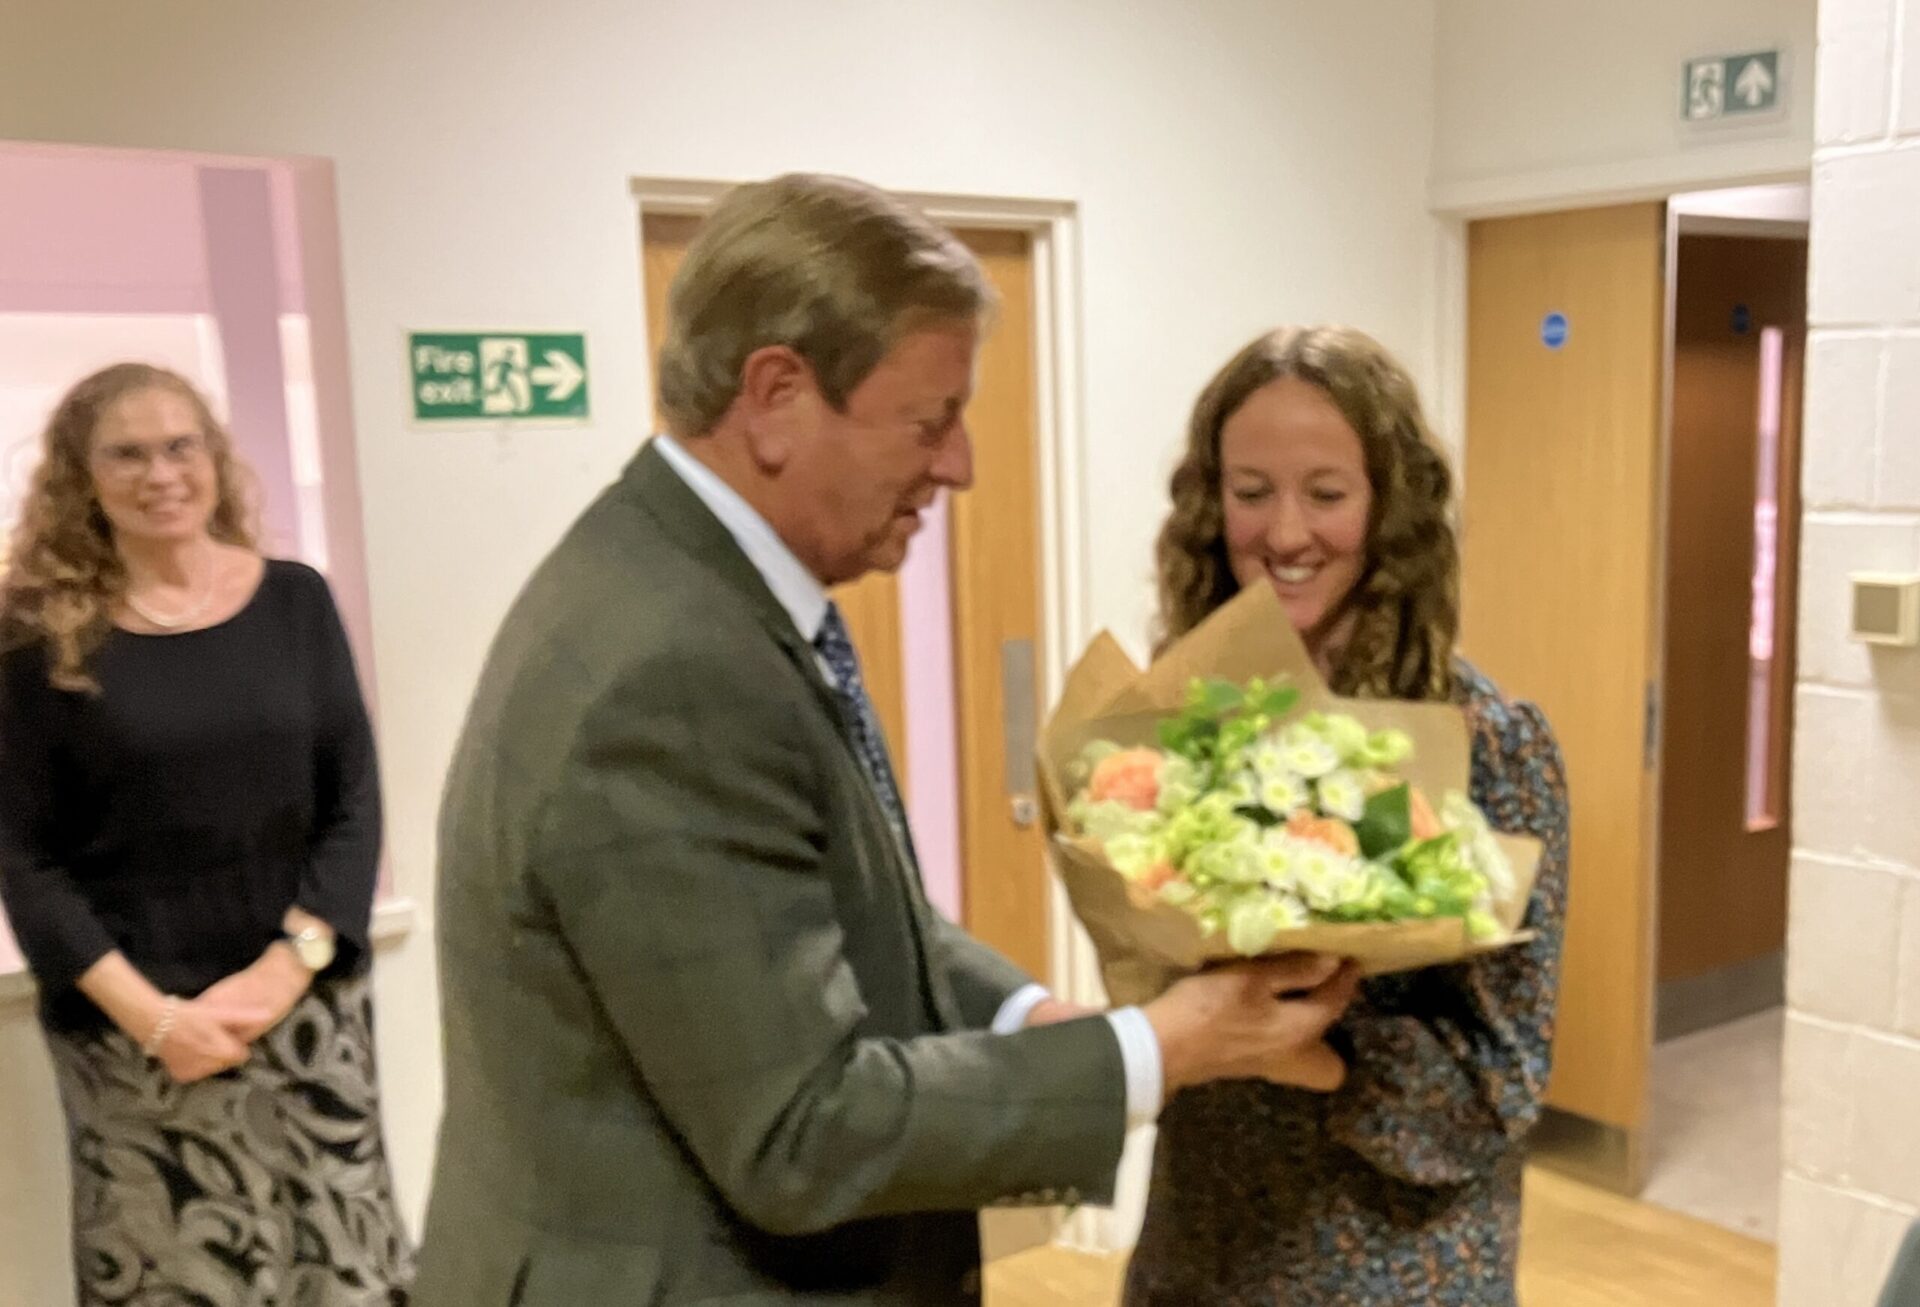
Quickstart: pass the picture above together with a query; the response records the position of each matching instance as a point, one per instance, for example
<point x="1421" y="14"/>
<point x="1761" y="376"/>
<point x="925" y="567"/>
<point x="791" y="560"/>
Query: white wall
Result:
<point x="1237" y="163"/>
<point x="1544" y="100"/>
<point x="1852" y="1182"/>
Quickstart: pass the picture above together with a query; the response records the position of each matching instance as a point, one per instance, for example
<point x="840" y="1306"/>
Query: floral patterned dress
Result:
<point x="1403" y="1187"/>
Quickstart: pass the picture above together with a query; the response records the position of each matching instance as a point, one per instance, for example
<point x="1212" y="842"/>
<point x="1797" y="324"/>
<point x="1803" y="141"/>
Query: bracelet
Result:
<point x="163" y="1027"/>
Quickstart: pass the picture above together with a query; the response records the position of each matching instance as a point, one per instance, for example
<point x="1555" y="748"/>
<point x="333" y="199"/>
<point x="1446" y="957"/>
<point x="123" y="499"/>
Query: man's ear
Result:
<point x="777" y="391"/>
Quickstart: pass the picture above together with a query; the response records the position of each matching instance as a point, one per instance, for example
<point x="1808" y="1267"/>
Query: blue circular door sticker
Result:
<point x="1553" y="330"/>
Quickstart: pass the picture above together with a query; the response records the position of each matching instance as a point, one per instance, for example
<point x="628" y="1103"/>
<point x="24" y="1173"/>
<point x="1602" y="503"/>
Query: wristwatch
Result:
<point x="313" y="946"/>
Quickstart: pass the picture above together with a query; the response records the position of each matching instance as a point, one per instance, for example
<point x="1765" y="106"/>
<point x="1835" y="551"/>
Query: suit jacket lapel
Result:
<point x="650" y="481"/>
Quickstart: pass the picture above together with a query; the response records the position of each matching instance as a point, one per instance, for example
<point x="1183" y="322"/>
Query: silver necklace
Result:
<point x="176" y="621"/>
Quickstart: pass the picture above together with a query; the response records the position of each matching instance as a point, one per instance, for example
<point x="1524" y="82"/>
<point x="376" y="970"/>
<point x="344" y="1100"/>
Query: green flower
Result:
<point x="1090" y="757"/>
<point x="1108" y="818"/>
<point x="1459" y="815"/>
<point x="1387" y="748"/>
<point x="1133" y="856"/>
<point x="1347" y="736"/>
<point x="1253" y="923"/>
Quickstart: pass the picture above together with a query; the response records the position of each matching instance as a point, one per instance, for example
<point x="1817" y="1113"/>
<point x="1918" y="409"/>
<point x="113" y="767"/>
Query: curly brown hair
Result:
<point x="1404" y="612"/>
<point x="63" y="574"/>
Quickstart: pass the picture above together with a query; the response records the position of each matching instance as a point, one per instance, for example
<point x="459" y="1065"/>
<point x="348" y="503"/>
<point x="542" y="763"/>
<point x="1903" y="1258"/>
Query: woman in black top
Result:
<point x="189" y="839"/>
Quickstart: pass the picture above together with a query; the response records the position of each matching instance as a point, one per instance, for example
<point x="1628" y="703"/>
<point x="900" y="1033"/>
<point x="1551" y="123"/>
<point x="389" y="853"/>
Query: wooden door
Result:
<point x="996" y="627"/>
<point x="1726" y="733"/>
<point x="993" y="579"/>
<point x="1559" y="585"/>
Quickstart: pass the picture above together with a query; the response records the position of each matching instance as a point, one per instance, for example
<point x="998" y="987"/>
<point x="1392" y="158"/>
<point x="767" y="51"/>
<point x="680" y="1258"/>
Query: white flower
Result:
<point x="1327" y="881"/>
<point x="1282" y="792"/>
<point x="1267" y="759"/>
<point x="1307" y="753"/>
<point x="1243" y="789"/>
<point x="1342" y="794"/>
<point x="1276" y="859"/>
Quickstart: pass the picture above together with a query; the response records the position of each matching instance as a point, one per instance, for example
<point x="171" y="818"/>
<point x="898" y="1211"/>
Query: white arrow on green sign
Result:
<point x="1730" y="86"/>
<point x="498" y="376"/>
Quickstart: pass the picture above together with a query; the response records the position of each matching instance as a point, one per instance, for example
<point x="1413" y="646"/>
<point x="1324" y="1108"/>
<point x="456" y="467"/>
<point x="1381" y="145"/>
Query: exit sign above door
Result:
<point x="1737" y="86"/>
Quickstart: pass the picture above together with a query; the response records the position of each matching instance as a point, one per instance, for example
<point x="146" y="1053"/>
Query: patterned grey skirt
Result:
<point x="266" y="1186"/>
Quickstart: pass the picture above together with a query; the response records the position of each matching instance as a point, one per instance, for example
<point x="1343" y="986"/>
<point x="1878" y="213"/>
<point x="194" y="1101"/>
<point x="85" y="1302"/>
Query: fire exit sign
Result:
<point x="497" y="376"/>
<point x="1730" y="86"/>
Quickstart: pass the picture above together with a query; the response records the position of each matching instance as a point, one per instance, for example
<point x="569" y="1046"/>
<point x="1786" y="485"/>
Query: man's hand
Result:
<point x="1264" y="1019"/>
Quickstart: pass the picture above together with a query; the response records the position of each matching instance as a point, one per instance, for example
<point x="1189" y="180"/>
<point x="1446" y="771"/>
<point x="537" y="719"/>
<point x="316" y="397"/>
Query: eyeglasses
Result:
<point x="130" y="461"/>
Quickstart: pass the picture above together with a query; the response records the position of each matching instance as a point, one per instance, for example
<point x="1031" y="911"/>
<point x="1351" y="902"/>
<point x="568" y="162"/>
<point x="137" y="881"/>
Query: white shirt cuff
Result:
<point x="1140" y="1054"/>
<point x="1019" y="1006"/>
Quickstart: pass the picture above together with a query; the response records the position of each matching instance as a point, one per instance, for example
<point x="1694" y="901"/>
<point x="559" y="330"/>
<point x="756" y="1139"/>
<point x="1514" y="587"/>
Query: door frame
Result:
<point x="1053" y="227"/>
<point x="1594" y="1151"/>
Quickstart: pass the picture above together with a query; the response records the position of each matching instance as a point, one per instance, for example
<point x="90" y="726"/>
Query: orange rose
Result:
<point x="1157" y="875"/>
<point x="1131" y="776"/>
<point x="1330" y="832"/>
<point x="1425" y="825"/>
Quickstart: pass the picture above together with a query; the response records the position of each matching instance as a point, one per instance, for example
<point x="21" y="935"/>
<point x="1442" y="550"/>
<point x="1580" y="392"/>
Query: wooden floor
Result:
<point x="1580" y="1247"/>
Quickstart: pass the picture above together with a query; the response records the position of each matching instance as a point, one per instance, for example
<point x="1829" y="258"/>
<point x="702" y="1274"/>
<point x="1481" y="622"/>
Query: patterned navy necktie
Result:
<point x="835" y="648"/>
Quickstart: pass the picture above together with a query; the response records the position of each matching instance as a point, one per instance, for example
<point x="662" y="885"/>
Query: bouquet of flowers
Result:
<point x="1204" y="810"/>
<point x="1258" y="821"/>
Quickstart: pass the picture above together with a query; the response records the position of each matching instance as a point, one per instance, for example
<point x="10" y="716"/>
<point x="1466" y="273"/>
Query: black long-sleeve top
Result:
<point x="219" y="777"/>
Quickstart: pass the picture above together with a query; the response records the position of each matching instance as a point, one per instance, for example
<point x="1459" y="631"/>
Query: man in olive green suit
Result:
<point x="706" y="1041"/>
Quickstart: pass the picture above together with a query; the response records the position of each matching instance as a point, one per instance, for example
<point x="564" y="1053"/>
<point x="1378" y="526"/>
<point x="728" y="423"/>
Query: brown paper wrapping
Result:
<point x="1145" y="944"/>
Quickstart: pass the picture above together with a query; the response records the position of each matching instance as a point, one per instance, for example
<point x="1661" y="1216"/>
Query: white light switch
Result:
<point x="1886" y="608"/>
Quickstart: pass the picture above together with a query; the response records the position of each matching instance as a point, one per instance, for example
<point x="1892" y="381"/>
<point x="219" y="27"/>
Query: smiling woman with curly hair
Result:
<point x="189" y="838"/>
<point x="1309" y="467"/>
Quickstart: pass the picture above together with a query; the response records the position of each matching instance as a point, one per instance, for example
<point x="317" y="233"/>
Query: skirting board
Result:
<point x="1589" y="1151"/>
<point x="1683" y="1006"/>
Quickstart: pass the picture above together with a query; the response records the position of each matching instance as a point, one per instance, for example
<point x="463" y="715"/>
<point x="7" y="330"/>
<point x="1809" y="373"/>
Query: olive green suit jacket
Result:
<point x="706" y="1042"/>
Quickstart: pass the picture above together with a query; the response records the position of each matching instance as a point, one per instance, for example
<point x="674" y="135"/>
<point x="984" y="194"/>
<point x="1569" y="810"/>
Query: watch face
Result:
<point x="314" y="950"/>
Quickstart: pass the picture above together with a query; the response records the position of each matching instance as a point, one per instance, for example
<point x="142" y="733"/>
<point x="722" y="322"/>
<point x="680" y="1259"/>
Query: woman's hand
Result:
<point x="254" y="1001"/>
<point x="200" y="1040"/>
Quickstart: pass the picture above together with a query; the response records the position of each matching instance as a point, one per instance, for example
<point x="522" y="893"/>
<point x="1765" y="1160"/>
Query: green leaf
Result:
<point x="1277" y="701"/>
<point x="1218" y="698"/>
<point x="1387" y="823"/>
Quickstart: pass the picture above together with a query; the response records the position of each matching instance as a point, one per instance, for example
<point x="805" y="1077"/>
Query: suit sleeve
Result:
<point x="981" y="978"/>
<point x="681" y="856"/>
